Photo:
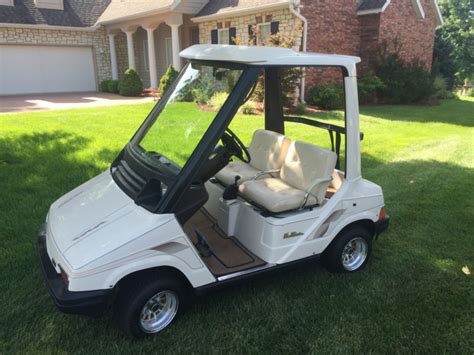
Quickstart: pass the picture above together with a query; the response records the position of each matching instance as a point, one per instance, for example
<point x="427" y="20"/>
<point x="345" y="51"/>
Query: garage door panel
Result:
<point x="42" y="69"/>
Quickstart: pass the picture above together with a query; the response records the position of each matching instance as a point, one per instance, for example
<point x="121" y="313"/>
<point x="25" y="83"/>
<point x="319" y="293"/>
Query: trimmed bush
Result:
<point x="300" y="108"/>
<point x="248" y="108"/>
<point x="327" y="97"/>
<point x="113" y="86"/>
<point x="405" y="83"/>
<point x="131" y="85"/>
<point x="368" y="86"/>
<point x="104" y="85"/>
<point x="218" y="99"/>
<point x="167" y="79"/>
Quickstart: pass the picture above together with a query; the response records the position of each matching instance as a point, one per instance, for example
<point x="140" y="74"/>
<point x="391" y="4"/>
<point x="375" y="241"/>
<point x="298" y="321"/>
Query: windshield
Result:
<point x="168" y="140"/>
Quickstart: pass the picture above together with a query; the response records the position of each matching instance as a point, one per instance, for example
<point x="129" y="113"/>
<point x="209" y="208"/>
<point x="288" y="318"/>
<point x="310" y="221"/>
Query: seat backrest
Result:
<point x="268" y="150"/>
<point x="304" y="163"/>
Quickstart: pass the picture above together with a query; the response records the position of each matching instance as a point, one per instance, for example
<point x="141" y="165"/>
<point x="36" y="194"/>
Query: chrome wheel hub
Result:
<point x="159" y="311"/>
<point x="354" y="254"/>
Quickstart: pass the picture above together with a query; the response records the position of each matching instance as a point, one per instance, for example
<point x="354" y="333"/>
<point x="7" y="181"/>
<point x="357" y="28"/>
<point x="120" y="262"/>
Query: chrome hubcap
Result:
<point x="354" y="254"/>
<point x="159" y="311"/>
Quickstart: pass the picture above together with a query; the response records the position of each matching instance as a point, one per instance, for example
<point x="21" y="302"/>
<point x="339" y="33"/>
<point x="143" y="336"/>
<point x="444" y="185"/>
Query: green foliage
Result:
<point x="300" y="108"/>
<point x="470" y="92"/>
<point x="440" y="88"/>
<point x="368" y="86"/>
<point x="218" y="99"/>
<point x="168" y="78"/>
<point x="104" y="85"/>
<point x="327" y="96"/>
<point x="202" y="90"/>
<point x="454" y="44"/>
<point x="230" y="82"/>
<point x="405" y="83"/>
<point x="131" y="84"/>
<point x="113" y="86"/>
<point x="248" y="108"/>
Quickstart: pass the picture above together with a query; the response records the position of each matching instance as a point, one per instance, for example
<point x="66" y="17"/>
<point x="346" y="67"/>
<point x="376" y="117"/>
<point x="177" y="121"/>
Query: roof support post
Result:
<point x="175" y="45"/>
<point x="273" y="101"/>
<point x="152" y="58"/>
<point x="113" y="56"/>
<point x="130" y="48"/>
<point x="353" y="170"/>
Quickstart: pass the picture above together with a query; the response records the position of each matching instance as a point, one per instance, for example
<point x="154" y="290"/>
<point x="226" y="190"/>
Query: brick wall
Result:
<point x="96" y="39"/>
<point x="415" y="36"/>
<point x="288" y="25"/>
<point x="332" y="28"/>
<point x="369" y="40"/>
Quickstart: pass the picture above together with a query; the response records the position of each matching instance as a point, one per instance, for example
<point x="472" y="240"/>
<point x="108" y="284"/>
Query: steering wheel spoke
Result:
<point x="235" y="146"/>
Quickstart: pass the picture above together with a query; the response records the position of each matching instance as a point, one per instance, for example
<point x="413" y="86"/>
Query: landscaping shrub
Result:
<point x="368" y="86"/>
<point x="131" y="85"/>
<point x="405" y="83"/>
<point x="328" y="96"/>
<point x="248" y="108"/>
<point x="300" y="109"/>
<point x="104" y="85"/>
<point x="167" y="79"/>
<point x="202" y="90"/>
<point x="113" y="86"/>
<point x="217" y="100"/>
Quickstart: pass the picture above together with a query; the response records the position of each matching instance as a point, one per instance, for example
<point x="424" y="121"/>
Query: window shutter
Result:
<point x="252" y="35"/>
<point x="232" y="35"/>
<point x="214" y="39"/>
<point x="274" y="27"/>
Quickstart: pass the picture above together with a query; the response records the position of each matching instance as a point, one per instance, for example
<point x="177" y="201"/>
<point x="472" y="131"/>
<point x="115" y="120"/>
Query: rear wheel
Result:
<point x="145" y="307"/>
<point x="350" y="251"/>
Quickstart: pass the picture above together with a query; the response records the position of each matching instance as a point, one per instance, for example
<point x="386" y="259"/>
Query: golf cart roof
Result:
<point x="261" y="55"/>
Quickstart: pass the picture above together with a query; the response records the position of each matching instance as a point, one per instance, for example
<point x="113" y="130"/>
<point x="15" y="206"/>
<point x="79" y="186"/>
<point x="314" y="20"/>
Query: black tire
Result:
<point x="134" y="294"/>
<point x="333" y="255"/>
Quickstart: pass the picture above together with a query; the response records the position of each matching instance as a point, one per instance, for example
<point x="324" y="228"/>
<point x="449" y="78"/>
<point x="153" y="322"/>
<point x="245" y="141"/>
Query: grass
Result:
<point x="412" y="297"/>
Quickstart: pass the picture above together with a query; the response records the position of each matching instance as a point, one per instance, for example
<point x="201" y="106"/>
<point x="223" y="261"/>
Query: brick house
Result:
<point x="71" y="45"/>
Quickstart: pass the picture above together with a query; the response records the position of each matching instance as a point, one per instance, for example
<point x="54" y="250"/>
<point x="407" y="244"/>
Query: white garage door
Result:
<point x="40" y="69"/>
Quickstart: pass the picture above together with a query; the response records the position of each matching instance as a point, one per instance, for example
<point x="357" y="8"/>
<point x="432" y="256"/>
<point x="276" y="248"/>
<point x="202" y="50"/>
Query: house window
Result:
<point x="50" y="4"/>
<point x="195" y="35"/>
<point x="264" y="30"/>
<point x="146" y="63"/>
<point x="169" y="51"/>
<point x="223" y="36"/>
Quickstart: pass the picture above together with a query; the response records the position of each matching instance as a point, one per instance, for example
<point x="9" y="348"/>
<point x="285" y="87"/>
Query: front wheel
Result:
<point x="350" y="251"/>
<point x="149" y="306"/>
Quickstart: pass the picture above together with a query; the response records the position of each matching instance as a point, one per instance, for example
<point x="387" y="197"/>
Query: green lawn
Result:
<point x="412" y="297"/>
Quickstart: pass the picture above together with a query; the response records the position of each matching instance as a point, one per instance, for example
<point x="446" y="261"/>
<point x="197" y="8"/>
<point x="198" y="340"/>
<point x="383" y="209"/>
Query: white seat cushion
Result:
<point x="267" y="152"/>
<point x="305" y="164"/>
<point x="275" y="195"/>
<point x="228" y="174"/>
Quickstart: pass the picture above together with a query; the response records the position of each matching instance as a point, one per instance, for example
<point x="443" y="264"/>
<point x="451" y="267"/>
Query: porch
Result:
<point x="150" y="45"/>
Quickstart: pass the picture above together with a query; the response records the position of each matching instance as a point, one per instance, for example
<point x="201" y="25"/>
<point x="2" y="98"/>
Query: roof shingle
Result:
<point x="366" y="5"/>
<point x="76" y="13"/>
<point x="222" y="6"/>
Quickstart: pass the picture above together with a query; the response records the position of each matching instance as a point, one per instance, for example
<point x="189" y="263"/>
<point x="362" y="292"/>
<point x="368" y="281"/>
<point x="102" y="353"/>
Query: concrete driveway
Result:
<point x="44" y="102"/>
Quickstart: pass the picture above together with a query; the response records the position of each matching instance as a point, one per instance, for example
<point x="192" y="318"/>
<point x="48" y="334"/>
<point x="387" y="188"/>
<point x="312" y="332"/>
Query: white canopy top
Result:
<point x="261" y="55"/>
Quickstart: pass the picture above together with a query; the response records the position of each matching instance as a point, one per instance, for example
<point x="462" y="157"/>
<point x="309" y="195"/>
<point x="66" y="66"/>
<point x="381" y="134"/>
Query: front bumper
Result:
<point x="382" y="225"/>
<point x="86" y="302"/>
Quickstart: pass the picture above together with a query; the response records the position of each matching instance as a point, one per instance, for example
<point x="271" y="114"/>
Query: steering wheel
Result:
<point x="235" y="146"/>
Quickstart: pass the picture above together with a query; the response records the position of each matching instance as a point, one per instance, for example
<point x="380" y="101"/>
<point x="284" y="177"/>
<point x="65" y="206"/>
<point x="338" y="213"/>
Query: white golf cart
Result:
<point x="177" y="216"/>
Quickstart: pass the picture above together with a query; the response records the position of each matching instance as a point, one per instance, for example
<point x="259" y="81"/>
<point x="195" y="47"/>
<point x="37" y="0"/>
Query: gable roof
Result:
<point x="127" y="9"/>
<point x="367" y="7"/>
<point x="83" y="13"/>
<point x="215" y="7"/>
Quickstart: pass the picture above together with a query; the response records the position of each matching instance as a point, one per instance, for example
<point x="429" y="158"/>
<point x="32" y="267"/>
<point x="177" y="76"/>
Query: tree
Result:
<point x="453" y="55"/>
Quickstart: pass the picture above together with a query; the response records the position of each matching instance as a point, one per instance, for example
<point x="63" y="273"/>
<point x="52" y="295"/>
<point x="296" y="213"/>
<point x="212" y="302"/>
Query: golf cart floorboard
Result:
<point x="228" y="255"/>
